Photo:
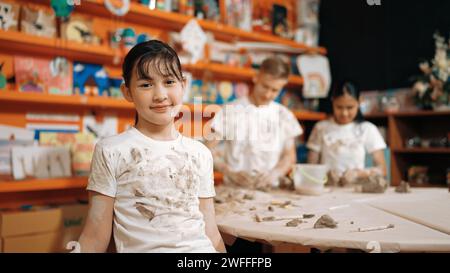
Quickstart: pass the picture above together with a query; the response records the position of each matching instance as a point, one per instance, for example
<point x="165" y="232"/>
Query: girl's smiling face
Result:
<point x="156" y="94"/>
<point x="345" y="109"/>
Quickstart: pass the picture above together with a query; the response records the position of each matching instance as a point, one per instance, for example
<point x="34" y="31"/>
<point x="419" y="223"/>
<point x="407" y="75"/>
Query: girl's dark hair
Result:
<point x="156" y="53"/>
<point x="348" y="88"/>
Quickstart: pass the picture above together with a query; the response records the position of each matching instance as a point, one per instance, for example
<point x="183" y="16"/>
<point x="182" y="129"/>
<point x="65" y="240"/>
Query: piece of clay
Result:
<point x="372" y="184"/>
<point x="325" y="221"/>
<point x="248" y="197"/>
<point x="286" y="183"/>
<point x="307" y="216"/>
<point x="351" y="223"/>
<point x="269" y="218"/>
<point x="252" y="208"/>
<point x="294" y="223"/>
<point x="403" y="187"/>
<point x="333" y="178"/>
<point x="270" y="208"/>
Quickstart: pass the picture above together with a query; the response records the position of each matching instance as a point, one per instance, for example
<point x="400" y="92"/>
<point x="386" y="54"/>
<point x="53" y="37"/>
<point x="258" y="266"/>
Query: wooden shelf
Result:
<point x="423" y="150"/>
<point x="27" y="44"/>
<point x="310" y="116"/>
<point x="376" y="116"/>
<point x="415" y="114"/>
<point x="43" y="184"/>
<point x="175" y="21"/>
<point x="55" y="184"/>
<point x="116" y="104"/>
<point x="72" y="100"/>
<point x="33" y="45"/>
<point x="427" y="185"/>
<point x="409" y="114"/>
<point x="236" y="73"/>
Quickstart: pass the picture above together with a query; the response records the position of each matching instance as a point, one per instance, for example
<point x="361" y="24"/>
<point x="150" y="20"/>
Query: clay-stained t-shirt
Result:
<point x="255" y="137"/>
<point x="344" y="147"/>
<point x="156" y="186"/>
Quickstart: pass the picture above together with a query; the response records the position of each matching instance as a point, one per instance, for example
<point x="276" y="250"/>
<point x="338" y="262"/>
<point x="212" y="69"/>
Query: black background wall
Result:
<point x="379" y="47"/>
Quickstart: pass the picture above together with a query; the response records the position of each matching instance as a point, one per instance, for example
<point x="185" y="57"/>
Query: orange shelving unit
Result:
<point x="27" y="44"/>
<point x="176" y="21"/>
<point x="117" y="104"/>
<point x="54" y="184"/>
<point x="42" y="184"/>
<point x="23" y="43"/>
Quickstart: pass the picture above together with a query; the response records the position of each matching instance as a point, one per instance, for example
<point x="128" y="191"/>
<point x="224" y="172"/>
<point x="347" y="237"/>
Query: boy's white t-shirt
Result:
<point x="254" y="136"/>
<point x="156" y="186"/>
<point x="344" y="147"/>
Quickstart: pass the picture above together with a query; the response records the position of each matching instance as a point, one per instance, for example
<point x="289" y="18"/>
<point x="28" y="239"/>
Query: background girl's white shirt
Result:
<point x="344" y="147"/>
<point x="156" y="186"/>
<point x="254" y="136"/>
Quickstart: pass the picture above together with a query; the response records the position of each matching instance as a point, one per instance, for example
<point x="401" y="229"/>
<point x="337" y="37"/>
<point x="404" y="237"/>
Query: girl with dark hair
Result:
<point x="342" y="141"/>
<point x="150" y="185"/>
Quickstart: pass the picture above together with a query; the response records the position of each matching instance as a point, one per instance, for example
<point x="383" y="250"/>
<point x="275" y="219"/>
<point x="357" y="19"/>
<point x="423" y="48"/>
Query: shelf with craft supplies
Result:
<point x="140" y="14"/>
<point x="19" y="42"/>
<point x="28" y="44"/>
<point x="419" y="142"/>
<point x="117" y="104"/>
<point x="61" y="100"/>
<point x="235" y="73"/>
<point x="54" y="184"/>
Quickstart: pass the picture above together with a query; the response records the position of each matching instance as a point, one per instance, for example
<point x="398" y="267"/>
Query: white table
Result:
<point x="421" y="219"/>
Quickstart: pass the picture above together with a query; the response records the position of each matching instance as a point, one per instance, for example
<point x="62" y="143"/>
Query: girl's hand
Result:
<point x="240" y="178"/>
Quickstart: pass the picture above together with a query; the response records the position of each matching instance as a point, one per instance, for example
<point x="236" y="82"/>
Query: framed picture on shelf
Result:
<point x="38" y="21"/>
<point x="43" y="75"/>
<point x="9" y="14"/>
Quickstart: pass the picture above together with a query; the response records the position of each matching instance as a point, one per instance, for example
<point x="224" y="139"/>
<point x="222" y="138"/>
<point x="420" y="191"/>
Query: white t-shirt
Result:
<point x="344" y="147"/>
<point x="156" y="186"/>
<point x="254" y="136"/>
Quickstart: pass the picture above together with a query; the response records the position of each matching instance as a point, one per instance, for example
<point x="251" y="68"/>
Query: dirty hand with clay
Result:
<point x="267" y="179"/>
<point x="240" y="178"/>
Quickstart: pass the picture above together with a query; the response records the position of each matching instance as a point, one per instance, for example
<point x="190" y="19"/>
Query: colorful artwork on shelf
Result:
<point x="11" y="136"/>
<point x="279" y="21"/>
<point x="241" y="89"/>
<point x="6" y="72"/>
<point x="239" y="14"/>
<point x="44" y="162"/>
<point x="118" y="10"/>
<point x="9" y="15"/>
<point x="43" y="75"/>
<point x="38" y="21"/>
<point x="81" y="146"/>
<point x="225" y="92"/>
<point x="207" y="9"/>
<point x="63" y="8"/>
<point x="215" y="92"/>
<point x="82" y="72"/>
<point x="115" y="88"/>
<point x="79" y="29"/>
<point x="195" y="94"/>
